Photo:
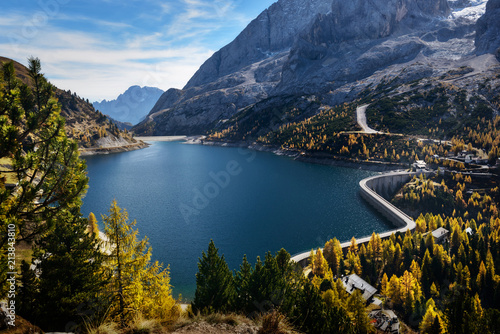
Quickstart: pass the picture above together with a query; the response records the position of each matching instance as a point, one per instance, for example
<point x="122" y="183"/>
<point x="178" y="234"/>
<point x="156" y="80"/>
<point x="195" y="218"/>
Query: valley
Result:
<point x="249" y="158"/>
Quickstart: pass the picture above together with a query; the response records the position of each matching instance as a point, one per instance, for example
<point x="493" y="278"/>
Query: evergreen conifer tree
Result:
<point x="242" y="286"/>
<point x="46" y="163"/>
<point x="214" y="283"/>
<point x="71" y="276"/>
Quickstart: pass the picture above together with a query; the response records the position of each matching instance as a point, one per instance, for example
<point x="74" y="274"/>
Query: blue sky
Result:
<point x="100" y="48"/>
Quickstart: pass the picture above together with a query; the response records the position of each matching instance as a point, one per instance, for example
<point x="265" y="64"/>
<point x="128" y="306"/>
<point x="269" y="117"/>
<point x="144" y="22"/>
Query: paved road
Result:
<point x="361" y="118"/>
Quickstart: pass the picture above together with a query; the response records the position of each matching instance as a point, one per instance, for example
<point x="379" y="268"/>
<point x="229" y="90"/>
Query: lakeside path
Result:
<point x="400" y="219"/>
<point x="361" y="119"/>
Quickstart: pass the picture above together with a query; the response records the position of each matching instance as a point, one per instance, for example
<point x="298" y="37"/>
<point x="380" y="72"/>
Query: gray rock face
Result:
<point x="351" y="42"/>
<point x="131" y="106"/>
<point x="488" y="30"/>
<point x="272" y="31"/>
<point x="194" y="110"/>
<point x="313" y="47"/>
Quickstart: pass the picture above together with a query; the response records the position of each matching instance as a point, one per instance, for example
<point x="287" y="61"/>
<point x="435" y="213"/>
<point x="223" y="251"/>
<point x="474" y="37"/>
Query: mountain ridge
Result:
<point x="131" y="106"/>
<point x="331" y="57"/>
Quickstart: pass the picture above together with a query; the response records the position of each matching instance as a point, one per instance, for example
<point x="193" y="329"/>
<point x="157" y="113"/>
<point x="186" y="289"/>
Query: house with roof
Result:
<point x="440" y="235"/>
<point x="354" y="282"/>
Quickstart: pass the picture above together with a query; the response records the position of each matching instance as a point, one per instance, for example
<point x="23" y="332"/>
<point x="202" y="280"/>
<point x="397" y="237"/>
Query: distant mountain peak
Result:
<point x="132" y="105"/>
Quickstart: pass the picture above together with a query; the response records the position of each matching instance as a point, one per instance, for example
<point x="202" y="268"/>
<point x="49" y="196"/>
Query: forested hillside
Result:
<point x="88" y="126"/>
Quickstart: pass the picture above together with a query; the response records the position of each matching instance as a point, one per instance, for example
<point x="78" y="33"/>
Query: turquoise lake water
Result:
<point x="248" y="202"/>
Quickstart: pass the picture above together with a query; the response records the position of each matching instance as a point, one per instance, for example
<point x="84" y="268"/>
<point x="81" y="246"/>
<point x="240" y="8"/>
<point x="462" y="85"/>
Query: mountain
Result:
<point x="121" y="125"/>
<point x="240" y="74"/>
<point x="488" y="30"/>
<point x="329" y="52"/>
<point x="94" y="132"/>
<point x="131" y="106"/>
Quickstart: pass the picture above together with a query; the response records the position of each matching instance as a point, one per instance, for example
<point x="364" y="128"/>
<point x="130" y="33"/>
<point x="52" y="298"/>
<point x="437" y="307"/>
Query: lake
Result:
<point x="248" y="202"/>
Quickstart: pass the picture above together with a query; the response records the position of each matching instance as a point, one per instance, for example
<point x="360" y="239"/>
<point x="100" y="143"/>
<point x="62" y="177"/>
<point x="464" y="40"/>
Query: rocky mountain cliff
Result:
<point x="131" y="106"/>
<point x="331" y="49"/>
<point x="488" y="30"/>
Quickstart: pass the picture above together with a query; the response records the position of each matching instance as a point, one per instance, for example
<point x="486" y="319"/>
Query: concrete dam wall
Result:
<point x="376" y="190"/>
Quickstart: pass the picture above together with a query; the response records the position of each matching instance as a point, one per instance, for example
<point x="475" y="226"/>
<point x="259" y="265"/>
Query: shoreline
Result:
<point x="319" y="158"/>
<point x="86" y="152"/>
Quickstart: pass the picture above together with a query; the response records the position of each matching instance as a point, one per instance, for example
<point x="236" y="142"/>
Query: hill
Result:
<point x="94" y="132"/>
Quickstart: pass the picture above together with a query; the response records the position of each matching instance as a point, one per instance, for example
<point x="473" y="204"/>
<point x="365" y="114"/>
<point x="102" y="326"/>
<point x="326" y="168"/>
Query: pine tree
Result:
<point x="426" y="272"/>
<point x="70" y="274"/>
<point x="312" y="315"/>
<point x="242" y="285"/>
<point x="27" y="293"/>
<point x="214" y="283"/>
<point x="51" y="175"/>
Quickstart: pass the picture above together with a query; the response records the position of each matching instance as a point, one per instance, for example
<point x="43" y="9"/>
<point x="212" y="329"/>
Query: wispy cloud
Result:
<point x="96" y="68"/>
<point x="204" y="17"/>
<point x="100" y="51"/>
<point x="94" y="21"/>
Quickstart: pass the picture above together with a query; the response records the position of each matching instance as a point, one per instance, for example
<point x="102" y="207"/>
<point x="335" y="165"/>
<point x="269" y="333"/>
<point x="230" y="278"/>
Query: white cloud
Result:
<point x="166" y="8"/>
<point x="97" y="69"/>
<point x="204" y="17"/>
<point x="102" y="62"/>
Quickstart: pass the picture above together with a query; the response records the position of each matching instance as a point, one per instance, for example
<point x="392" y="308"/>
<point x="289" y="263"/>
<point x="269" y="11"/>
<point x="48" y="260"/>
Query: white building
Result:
<point x="353" y="282"/>
<point x="419" y="165"/>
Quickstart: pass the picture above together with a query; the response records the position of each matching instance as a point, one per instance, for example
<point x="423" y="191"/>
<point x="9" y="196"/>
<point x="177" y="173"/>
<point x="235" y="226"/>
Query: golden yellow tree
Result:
<point x="353" y="247"/>
<point x="136" y="285"/>
<point x="432" y="321"/>
<point x="333" y="254"/>
<point x="93" y="227"/>
<point x="410" y="290"/>
<point x="320" y="267"/>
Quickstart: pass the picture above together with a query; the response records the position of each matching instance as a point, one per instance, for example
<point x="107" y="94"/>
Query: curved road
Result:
<point x="361" y="118"/>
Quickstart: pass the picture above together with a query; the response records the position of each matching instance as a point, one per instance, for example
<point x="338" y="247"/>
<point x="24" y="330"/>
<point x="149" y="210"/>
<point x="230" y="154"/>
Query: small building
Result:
<point x="470" y="158"/>
<point x="353" y="282"/>
<point x="385" y="320"/>
<point x="440" y="235"/>
<point x="419" y="165"/>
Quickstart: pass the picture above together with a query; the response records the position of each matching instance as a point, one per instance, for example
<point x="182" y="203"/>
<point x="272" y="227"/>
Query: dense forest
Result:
<point x="59" y="272"/>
